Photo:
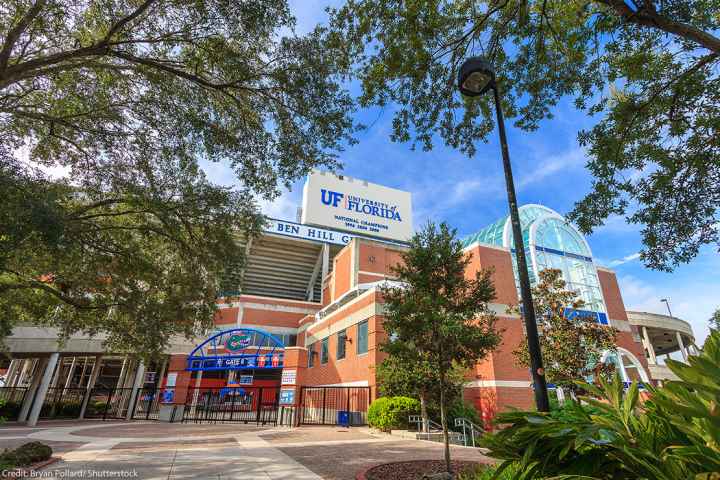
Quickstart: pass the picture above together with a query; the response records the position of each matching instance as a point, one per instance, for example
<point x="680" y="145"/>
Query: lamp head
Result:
<point x="475" y="77"/>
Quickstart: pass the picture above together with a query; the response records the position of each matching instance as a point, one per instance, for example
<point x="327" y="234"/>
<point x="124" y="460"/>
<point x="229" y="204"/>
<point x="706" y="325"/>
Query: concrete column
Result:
<point x="42" y="389"/>
<point x="97" y="366"/>
<point x="682" y="346"/>
<point x="32" y="391"/>
<point x="649" y="346"/>
<point x="57" y="374"/>
<point x="71" y="373"/>
<point x="137" y="384"/>
<point x="325" y="268"/>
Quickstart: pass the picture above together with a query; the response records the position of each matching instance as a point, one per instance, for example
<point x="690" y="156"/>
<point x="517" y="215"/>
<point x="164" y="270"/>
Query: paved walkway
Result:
<point x="154" y="450"/>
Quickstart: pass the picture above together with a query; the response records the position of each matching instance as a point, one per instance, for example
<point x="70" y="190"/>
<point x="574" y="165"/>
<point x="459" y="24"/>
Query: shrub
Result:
<point x="674" y="435"/>
<point x="24" y="455"/>
<point x="9" y="410"/>
<point x="388" y="413"/>
<point x="463" y="409"/>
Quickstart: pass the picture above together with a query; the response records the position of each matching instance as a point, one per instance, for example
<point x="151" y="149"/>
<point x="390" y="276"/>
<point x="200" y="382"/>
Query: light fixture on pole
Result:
<point x="667" y="304"/>
<point x="475" y="77"/>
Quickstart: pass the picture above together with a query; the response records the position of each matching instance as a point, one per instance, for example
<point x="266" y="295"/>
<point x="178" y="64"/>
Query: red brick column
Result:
<point x="178" y="364"/>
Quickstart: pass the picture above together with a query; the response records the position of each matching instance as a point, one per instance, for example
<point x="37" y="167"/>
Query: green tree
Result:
<point x="439" y="312"/>
<point x="571" y="345"/>
<point x="404" y="372"/>
<point x="648" y="68"/>
<point x="715" y="319"/>
<point x="131" y="100"/>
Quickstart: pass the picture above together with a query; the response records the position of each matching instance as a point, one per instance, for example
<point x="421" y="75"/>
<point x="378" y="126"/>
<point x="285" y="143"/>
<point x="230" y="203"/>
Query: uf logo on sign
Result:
<point x="329" y="197"/>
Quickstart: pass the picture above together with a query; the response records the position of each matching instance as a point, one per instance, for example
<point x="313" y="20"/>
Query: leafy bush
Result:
<point x="9" y="410"/>
<point x="674" y="435"/>
<point x="463" y="409"/>
<point x="388" y="413"/>
<point x="24" y="455"/>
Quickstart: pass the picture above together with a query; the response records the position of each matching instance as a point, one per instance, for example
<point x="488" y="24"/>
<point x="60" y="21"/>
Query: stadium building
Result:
<point x="298" y="328"/>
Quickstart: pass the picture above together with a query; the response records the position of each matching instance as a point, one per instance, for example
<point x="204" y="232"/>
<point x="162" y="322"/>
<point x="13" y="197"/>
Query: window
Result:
<point x="362" y="337"/>
<point x="311" y="355"/>
<point x="324" y="350"/>
<point x="341" y="339"/>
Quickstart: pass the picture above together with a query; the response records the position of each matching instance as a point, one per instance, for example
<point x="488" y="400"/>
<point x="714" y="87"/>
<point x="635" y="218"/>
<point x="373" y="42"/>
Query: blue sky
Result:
<point x="469" y="194"/>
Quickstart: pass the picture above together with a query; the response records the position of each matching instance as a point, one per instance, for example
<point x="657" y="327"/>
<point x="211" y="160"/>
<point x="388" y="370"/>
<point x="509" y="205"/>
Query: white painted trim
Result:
<point x="357" y="383"/>
<point x="279" y="308"/>
<point x="499" y="383"/>
<point x="375" y="274"/>
<point x="486" y="245"/>
<point x="275" y="299"/>
<point x="605" y="269"/>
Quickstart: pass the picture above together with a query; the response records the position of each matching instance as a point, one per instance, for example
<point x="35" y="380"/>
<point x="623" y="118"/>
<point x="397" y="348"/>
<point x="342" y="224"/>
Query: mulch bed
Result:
<point x="414" y="470"/>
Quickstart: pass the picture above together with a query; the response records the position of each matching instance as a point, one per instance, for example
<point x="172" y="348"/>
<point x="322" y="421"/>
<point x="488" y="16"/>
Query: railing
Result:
<point x="433" y="431"/>
<point x="468" y="427"/>
<point x="61" y="402"/>
<point x="12" y="399"/>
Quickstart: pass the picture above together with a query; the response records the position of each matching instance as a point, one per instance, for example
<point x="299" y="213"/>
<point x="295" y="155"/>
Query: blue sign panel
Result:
<point x="237" y="349"/>
<point x="287" y="396"/>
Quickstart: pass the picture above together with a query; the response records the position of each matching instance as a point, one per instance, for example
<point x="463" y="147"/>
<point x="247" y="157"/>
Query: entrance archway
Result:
<point x="236" y="374"/>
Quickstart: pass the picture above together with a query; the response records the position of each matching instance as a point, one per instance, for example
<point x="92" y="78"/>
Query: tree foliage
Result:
<point x="649" y="69"/>
<point x="715" y="319"/>
<point x="439" y="312"/>
<point x="571" y="345"/>
<point x="614" y="435"/>
<point x="130" y="100"/>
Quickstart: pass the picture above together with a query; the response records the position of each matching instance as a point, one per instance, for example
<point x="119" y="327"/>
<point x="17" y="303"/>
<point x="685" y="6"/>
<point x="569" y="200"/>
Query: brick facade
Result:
<point x="494" y="384"/>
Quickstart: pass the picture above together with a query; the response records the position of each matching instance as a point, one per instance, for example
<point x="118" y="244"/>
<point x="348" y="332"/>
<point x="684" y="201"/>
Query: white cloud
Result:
<point x="689" y="301"/>
<point x="625" y="259"/>
<point x="283" y="208"/>
<point x="552" y="165"/>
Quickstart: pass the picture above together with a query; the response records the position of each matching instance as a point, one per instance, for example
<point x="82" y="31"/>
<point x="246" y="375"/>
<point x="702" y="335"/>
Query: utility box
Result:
<point x="343" y="418"/>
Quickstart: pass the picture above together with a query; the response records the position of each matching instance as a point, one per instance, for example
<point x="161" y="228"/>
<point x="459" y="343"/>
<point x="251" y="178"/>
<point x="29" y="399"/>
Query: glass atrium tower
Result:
<point x="550" y="242"/>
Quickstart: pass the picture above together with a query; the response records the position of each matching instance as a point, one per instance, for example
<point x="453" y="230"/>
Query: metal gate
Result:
<point x="237" y="404"/>
<point x="325" y="405"/>
<point x="108" y="403"/>
<point x="147" y="404"/>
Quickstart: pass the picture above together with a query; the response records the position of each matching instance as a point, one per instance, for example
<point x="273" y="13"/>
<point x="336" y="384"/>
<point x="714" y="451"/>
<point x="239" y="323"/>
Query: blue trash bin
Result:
<point x="343" y="418"/>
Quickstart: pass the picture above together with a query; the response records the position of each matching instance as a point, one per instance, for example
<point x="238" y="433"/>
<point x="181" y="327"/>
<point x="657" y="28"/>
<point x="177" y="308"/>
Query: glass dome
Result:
<point x="550" y="242"/>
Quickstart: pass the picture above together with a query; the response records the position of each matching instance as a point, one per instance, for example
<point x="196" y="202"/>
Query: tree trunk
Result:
<point x="424" y="413"/>
<point x="443" y="422"/>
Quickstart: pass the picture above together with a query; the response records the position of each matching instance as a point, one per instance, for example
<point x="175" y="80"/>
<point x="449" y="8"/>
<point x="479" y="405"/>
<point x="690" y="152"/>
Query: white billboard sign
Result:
<point x="357" y="206"/>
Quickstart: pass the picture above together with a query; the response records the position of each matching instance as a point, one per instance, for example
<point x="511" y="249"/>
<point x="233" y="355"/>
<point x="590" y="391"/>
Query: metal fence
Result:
<point x="11" y="400"/>
<point x="147" y="404"/>
<point x="107" y="403"/>
<point x="334" y="405"/>
<point x="62" y="402"/>
<point x="236" y="404"/>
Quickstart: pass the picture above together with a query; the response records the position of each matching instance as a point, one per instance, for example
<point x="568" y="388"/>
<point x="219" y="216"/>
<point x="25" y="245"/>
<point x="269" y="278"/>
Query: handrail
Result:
<point x="468" y="425"/>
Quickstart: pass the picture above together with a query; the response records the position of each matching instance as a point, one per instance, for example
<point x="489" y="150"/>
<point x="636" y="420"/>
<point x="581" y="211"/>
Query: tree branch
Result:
<point x="16" y="31"/>
<point x="124" y="21"/>
<point x="647" y="16"/>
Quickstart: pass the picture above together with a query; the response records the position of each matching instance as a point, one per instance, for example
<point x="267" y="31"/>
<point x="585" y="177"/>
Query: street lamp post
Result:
<point x="667" y="304"/>
<point x="477" y="76"/>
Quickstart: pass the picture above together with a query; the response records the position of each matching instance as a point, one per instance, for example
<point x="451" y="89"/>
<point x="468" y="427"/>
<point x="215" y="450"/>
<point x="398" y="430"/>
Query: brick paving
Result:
<point x="342" y="462"/>
<point x="155" y="450"/>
